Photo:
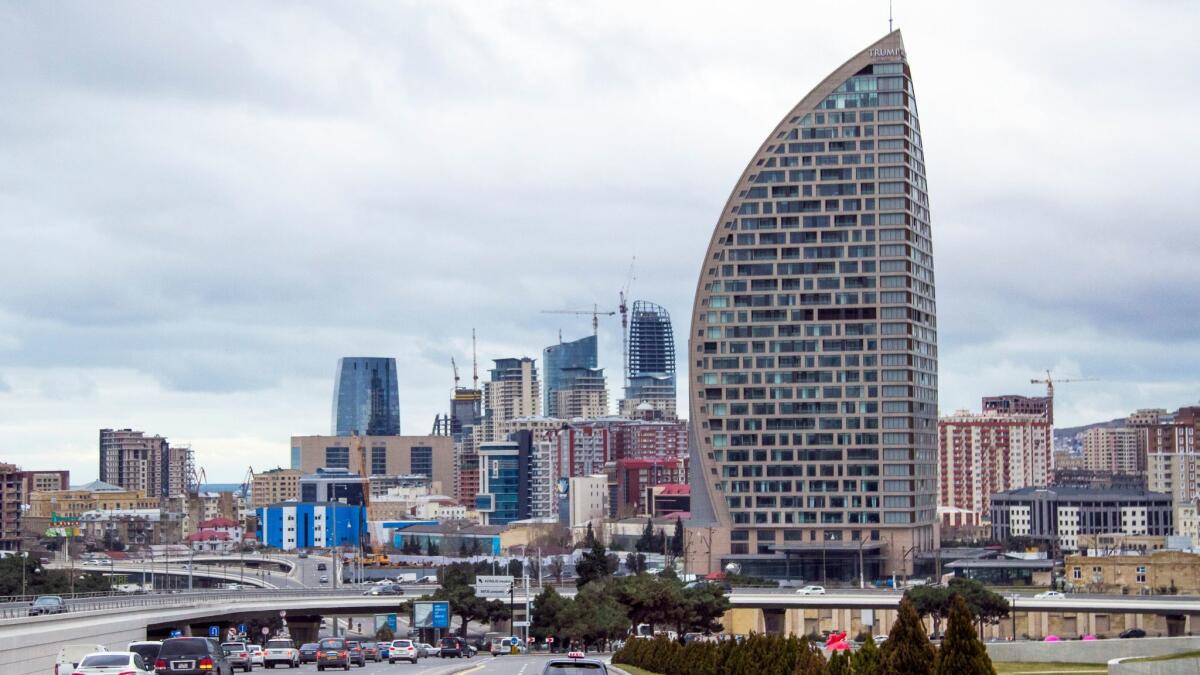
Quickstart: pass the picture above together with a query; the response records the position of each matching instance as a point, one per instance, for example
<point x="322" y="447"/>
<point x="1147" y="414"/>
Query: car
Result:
<point x="1049" y="594"/>
<point x="281" y="651"/>
<point x="428" y="650"/>
<point x="1133" y="633"/>
<point x="192" y="656"/>
<point x="47" y="604"/>
<point x="308" y="652"/>
<point x="324" y="579"/>
<point x="147" y="649"/>
<point x="371" y="651"/>
<point x="403" y="650"/>
<point x="573" y="665"/>
<point x="109" y="663"/>
<point x="70" y="656"/>
<point x="333" y="653"/>
<point x="356" y="653"/>
<point x="239" y="655"/>
<point x="302" y="555"/>
<point x="452" y="647"/>
<point x="321" y="567"/>
<point x="257" y="655"/>
<point x="811" y="590"/>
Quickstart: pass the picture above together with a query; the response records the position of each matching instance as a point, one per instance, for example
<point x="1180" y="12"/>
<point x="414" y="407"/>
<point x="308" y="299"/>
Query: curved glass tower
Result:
<point x="813" y="348"/>
<point x="651" y="353"/>
<point x="560" y="365"/>
<point x="366" y="397"/>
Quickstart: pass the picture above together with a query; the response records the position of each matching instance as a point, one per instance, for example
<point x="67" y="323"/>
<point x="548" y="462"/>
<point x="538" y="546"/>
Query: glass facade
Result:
<point x="651" y="353"/>
<point x="366" y="397"/>
<point x="499" y="499"/>
<point x="421" y="461"/>
<point x="814" y="341"/>
<point x="565" y="356"/>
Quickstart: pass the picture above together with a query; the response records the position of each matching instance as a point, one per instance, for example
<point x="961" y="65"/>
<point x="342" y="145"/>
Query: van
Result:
<point x="70" y="656"/>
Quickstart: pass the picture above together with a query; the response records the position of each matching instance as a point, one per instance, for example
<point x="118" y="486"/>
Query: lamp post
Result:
<point x="861" y="575"/>
<point x="24" y="558"/>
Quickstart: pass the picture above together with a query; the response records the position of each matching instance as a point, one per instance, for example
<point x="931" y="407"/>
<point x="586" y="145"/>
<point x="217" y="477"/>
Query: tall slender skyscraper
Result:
<point x="813" y="348"/>
<point x="366" y="397"/>
<point x="651" y="368"/>
<point x="561" y="363"/>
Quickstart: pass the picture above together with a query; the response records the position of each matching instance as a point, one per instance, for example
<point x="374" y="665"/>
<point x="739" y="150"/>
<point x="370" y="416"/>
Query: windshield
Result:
<point x="101" y="660"/>
<point x="184" y="647"/>
<point x="255" y="648"/>
<point x="148" y="652"/>
<point x="47" y="601"/>
<point x="279" y="644"/>
<point x="235" y="646"/>
<point x="309" y="645"/>
<point x="333" y="644"/>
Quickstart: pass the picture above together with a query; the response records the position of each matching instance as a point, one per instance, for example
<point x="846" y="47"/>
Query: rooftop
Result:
<point x="1084" y="493"/>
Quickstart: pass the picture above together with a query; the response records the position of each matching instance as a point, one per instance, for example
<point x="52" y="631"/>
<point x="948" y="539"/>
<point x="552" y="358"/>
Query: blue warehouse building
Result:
<point x="298" y="525"/>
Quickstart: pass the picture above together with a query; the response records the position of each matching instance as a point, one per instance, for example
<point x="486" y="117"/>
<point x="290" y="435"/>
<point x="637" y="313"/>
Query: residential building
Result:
<point x="1041" y="406"/>
<point x="1169" y="446"/>
<point x="466" y="416"/>
<point x="1056" y="517"/>
<point x="813" y="344"/>
<point x="512" y="392"/>
<point x="502" y="482"/>
<point x="982" y="454"/>
<point x="1175" y="572"/>
<point x="415" y="504"/>
<point x="216" y="535"/>
<point x="94" y="496"/>
<point x="535" y="423"/>
<point x="586" y="446"/>
<point x="297" y="525"/>
<point x="366" y="397"/>
<point x="432" y="456"/>
<point x="583" y="393"/>
<point x="669" y="499"/>
<point x="274" y="486"/>
<point x="147" y="464"/>
<point x="132" y="527"/>
<point x="658" y="439"/>
<point x="12" y="496"/>
<point x="650" y="371"/>
<point x="587" y="499"/>
<point x="563" y="363"/>
<point x="1113" y="450"/>
<point x="43" y="481"/>
<point x="1148" y="417"/>
<point x="636" y="476"/>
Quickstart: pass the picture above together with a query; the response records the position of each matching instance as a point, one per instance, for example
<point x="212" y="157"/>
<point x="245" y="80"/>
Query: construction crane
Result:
<point x="1049" y="381"/>
<point x="595" y="312"/>
<point x="623" y="307"/>
<point x="474" y="363"/>
<point x="455" y="367"/>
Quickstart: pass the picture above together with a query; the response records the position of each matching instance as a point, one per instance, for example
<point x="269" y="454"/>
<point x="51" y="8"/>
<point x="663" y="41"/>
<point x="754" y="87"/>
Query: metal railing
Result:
<point x="92" y="602"/>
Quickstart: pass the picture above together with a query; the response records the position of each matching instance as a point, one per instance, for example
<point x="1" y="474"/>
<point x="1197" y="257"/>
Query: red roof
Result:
<point x="674" y="488"/>
<point x="208" y="536"/>
<point x="218" y="522"/>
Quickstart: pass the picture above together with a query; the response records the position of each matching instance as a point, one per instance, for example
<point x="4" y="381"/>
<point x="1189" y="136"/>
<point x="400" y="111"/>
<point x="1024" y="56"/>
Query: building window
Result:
<point x="421" y="461"/>
<point x="1076" y="572"/>
<point x="378" y="461"/>
<point x="337" y="458"/>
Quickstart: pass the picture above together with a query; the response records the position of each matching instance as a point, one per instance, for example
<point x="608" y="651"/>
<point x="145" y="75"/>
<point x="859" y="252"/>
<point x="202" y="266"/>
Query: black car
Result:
<point x="452" y="647"/>
<point x="333" y="653"/>
<point x="308" y="652"/>
<point x="1133" y="633"/>
<point x="47" y="604"/>
<point x="191" y="656"/>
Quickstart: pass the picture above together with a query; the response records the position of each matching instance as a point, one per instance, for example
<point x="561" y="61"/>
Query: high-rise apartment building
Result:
<point x="582" y="392"/>
<point x="1113" y="450"/>
<point x="981" y="455"/>
<point x="562" y="364"/>
<point x="1172" y="459"/>
<point x="12" y="496"/>
<point x="366" y="397"/>
<point x="1021" y="405"/>
<point x="651" y="369"/>
<point x="813" y="346"/>
<point x="149" y="464"/>
<point x="466" y="416"/>
<point x="513" y="391"/>
<point x="274" y="486"/>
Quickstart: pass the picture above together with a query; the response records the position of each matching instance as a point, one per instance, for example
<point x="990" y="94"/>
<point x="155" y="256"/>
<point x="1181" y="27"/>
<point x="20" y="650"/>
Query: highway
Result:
<point x="530" y="664"/>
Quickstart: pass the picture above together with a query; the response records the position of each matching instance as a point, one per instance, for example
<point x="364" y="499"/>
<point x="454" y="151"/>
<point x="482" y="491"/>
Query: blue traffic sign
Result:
<point x="514" y="641"/>
<point x="214" y="631"/>
<point x="440" y="616"/>
<point x="241" y="629"/>
<point x="391" y="622"/>
<point x="176" y="633"/>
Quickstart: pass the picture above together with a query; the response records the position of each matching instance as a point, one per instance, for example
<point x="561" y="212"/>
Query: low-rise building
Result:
<point x="668" y="499"/>
<point x="1155" y="572"/>
<point x="216" y="535"/>
<point x="1056" y="517"/>
<point x="299" y="525"/>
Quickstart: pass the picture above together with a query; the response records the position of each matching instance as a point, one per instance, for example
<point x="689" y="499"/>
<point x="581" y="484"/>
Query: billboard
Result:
<point x="431" y="615"/>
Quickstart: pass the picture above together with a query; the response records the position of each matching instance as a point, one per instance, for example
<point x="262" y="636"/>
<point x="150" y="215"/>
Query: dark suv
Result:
<point x="356" y="653"/>
<point x="191" y="656"/>
<point x="452" y="647"/>
<point x="333" y="653"/>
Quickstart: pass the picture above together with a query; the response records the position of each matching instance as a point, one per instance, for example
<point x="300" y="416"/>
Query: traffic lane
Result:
<point x="427" y="666"/>
<point x="524" y="664"/>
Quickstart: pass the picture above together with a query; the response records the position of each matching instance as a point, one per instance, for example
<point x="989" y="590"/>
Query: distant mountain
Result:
<point x="1067" y="433"/>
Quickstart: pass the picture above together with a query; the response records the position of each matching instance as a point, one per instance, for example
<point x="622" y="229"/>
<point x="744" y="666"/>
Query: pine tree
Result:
<point x="677" y="539"/>
<point x="907" y="650"/>
<point x="809" y="661"/>
<point x="839" y="664"/>
<point x="865" y="661"/>
<point x="589" y="539"/>
<point x="962" y="653"/>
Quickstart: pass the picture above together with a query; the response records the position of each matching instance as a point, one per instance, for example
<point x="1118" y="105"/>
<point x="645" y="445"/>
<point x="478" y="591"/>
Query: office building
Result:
<point x="148" y="464"/>
<point x="292" y="525"/>
<point x="274" y="486"/>
<point x="366" y="397"/>
<point x="813" y="344"/>
<point x="333" y="485"/>
<point x="1042" y="406"/>
<point x="512" y="392"/>
<point x="517" y="479"/>
<point x="432" y="456"/>
<point x="575" y="356"/>
<point x="1056" y="517"/>
<point x="650" y="374"/>
<point x="1113" y="450"/>
<point x="981" y="455"/>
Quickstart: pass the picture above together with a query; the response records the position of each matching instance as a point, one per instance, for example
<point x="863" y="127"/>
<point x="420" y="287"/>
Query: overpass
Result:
<point x="181" y="571"/>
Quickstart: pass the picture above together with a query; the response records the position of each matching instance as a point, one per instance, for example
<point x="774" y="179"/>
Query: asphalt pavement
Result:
<point x="528" y="664"/>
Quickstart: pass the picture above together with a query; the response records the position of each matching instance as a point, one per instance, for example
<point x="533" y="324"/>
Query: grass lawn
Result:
<point x="1049" y="668"/>
<point x="632" y="670"/>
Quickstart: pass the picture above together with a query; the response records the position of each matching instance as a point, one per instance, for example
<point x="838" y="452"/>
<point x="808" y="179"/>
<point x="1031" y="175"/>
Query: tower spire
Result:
<point x="474" y="363"/>
<point x="889" y="16"/>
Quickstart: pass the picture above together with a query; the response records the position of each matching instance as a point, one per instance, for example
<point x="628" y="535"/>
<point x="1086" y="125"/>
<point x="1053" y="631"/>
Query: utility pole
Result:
<point x="861" y="580"/>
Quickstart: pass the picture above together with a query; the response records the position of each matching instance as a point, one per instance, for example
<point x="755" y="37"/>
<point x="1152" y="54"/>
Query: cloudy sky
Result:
<point x="204" y="205"/>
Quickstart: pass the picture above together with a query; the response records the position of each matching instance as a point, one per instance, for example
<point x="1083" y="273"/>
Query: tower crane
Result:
<point x="1049" y="381"/>
<point x="623" y="307"/>
<point x="455" y="367"/>
<point x="595" y="312"/>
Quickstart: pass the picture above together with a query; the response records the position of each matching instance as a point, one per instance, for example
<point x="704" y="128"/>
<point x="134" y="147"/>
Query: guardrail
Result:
<point x="151" y="600"/>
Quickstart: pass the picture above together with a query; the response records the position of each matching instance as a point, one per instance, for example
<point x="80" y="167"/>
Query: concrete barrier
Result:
<point x="1174" y="667"/>
<point x="1089" y="651"/>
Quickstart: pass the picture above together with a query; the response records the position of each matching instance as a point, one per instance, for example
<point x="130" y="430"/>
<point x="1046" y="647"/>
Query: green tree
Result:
<point x="930" y="601"/>
<point x="456" y="589"/>
<point x="839" y="664"/>
<point x="677" y="539"/>
<point x="635" y="562"/>
<point x="809" y="660"/>
<point x="589" y="539"/>
<point x="647" y="599"/>
<point x="557" y="568"/>
<point x="699" y="609"/>
<point x="463" y="551"/>
<point x="549" y="613"/>
<point x="907" y="650"/>
<point x="431" y="547"/>
<point x="476" y="547"/>
<point x="593" y="565"/>
<point x="595" y="615"/>
<point x="516" y="569"/>
<point x="645" y="543"/>
<point x="962" y="652"/>
<point x="987" y="607"/>
<point x="865" y="661"/>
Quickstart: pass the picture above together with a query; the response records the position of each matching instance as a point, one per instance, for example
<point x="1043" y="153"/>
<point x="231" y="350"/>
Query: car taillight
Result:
<point x="345" y="653"/>
<point x="244" y="655"/>
<point x="207" y="663"/>
<point x="128" y="672"/>
<point x="160" y="664"/>
<point x="320" y="653"/>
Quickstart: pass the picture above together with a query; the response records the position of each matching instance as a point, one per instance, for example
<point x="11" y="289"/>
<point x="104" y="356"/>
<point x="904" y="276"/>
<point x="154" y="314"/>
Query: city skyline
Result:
<point x="234" y="174"/>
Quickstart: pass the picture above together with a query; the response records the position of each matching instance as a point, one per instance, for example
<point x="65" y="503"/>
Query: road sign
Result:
<point x="214" y="631"/>
<point x="266" y="630"/>
<point x="391" y="622"/>
<point x="176" y="633"/>
<point x="241" y="628"/>
<point x="493" y="586"/>
<point x="521" y="624"/>
<point x="514" y="641"/>
<point x="550" y="639"/>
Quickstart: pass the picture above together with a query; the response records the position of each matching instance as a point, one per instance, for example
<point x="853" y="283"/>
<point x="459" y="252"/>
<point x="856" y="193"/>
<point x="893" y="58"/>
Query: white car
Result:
<point x="257" y="655"/>
<point x="281" y="651"/>
<point x="403" y="650"/>
<point x="70" y="656"/>
<point x="1049" y="594"/>
<point x="811" y="590"/>
<point x="108" y="663"/>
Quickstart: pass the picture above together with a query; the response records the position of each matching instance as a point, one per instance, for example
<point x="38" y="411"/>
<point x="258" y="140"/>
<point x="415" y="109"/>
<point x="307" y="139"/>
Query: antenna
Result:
<point x="889" y="16"/>
<point x="474" y="363"/>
